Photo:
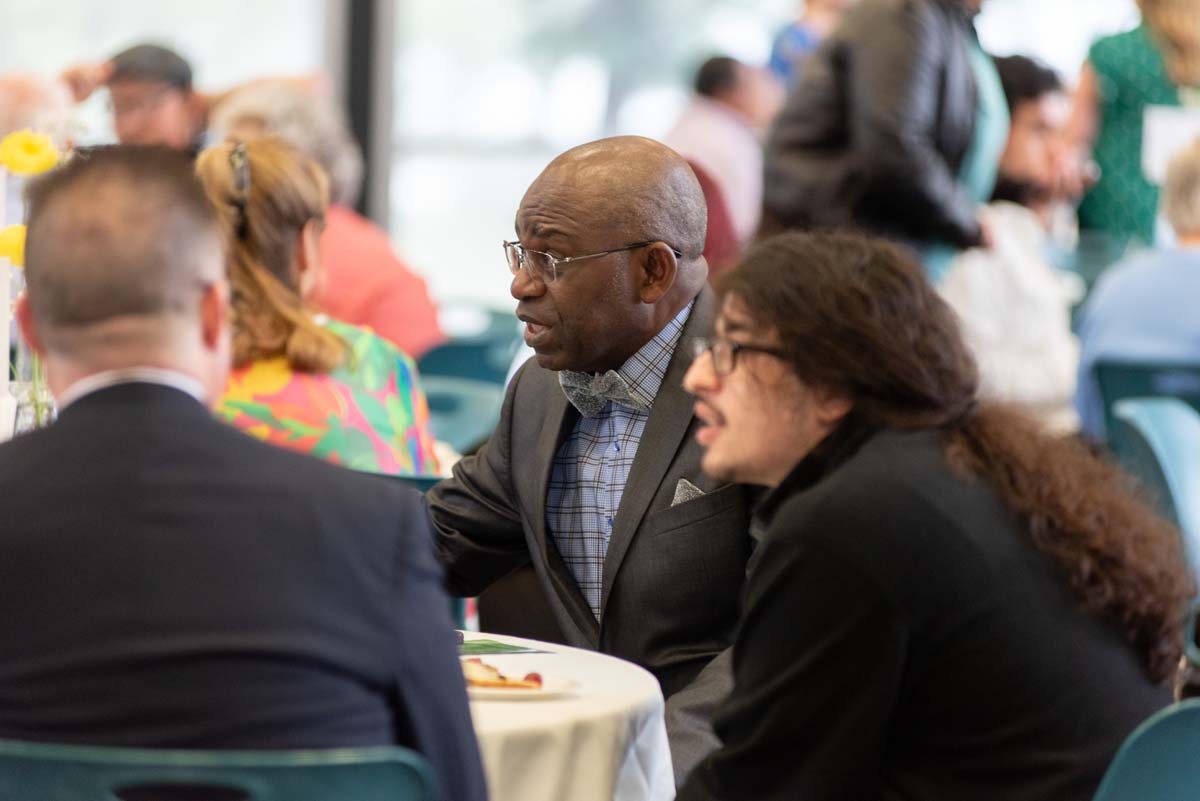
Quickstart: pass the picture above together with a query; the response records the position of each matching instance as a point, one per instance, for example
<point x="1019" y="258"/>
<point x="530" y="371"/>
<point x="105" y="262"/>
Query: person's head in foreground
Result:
<point x="608" y="251"/>
<point x="125" y="268"/>
<point x="944" y="593"/>
<point x="271" y="201"/>
<point x="153" y="102"/>
<point x="830" y="332"/>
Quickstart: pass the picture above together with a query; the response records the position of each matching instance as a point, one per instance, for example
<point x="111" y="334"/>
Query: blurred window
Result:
<point x="487" y="93"/>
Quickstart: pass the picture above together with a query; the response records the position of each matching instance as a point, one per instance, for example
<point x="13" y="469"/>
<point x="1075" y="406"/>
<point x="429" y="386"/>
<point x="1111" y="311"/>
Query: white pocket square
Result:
<point x="685" y="491"/>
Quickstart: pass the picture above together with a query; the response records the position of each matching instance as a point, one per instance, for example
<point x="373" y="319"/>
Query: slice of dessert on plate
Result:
<point x="480" y="674"/>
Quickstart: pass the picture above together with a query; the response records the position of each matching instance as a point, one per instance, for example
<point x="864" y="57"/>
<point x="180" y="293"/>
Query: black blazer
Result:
<point x="904" y="639"/>
<point x="875" y="133"/>
<point x="168" y="582"/>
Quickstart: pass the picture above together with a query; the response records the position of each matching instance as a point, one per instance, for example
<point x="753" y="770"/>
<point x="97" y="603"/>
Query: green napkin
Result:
<point x="485" y="647"/>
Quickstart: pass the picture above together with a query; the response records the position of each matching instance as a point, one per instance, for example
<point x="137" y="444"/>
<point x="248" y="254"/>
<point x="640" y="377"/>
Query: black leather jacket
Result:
<point x="874" y="135"/>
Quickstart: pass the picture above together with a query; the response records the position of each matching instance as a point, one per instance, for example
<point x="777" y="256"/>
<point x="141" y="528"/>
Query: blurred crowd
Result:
<point x="1016" y="190"/>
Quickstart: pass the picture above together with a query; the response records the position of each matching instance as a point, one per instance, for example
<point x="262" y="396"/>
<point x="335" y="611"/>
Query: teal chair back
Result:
<point x="1118" y="380"/>
<point x="462" y="411"/>
<point x="482" y="355"/>
<point x="1160" y="761"/>
<point x="30" y="771"/>
<point x="1159" y="444"/>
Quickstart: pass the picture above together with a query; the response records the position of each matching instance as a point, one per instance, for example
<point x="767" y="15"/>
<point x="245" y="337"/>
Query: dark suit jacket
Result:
<point x="673" y="574"/>
<point x="166" y="581"/>
<point x="904" y="639"/>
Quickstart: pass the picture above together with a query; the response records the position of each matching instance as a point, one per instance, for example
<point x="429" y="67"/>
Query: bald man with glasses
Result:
<point x="592" y="478"/>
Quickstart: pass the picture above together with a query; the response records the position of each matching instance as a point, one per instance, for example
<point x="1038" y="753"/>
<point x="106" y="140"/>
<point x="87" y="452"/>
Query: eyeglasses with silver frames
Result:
<point x="544" y="266"/>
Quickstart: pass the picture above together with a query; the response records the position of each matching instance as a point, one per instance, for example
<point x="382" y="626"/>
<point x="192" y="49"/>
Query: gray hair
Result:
<point x="310" y="123"/>
<point x="1181" y="191"/>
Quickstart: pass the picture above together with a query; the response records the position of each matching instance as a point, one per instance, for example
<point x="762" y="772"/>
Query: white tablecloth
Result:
<point x="604" y="741"/>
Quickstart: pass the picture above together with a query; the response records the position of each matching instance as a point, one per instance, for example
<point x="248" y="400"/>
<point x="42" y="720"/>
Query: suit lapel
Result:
<point x="556" y="424"/>
<point x="670" y="417"/>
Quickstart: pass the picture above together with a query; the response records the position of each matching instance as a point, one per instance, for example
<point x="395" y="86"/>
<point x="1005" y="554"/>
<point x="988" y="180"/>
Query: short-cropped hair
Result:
<point x="1181" y="191"/>
<point x="116" y="231"/>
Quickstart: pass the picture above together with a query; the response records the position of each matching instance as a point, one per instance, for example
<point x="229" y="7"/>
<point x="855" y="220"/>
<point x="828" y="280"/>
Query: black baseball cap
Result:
<point x="153" y="63"/>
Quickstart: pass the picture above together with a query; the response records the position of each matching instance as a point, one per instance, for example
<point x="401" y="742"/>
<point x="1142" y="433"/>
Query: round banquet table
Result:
<point x="604" y="740"/>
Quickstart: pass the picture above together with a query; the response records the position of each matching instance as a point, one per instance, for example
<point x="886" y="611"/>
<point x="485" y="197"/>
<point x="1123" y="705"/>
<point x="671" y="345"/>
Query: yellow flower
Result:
<point x="12" y="244"/>
<point x="27" y="153"/>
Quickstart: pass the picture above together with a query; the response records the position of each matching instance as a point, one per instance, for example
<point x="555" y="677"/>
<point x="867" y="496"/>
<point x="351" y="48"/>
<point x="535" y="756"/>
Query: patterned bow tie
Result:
<point x="591" y="392"/>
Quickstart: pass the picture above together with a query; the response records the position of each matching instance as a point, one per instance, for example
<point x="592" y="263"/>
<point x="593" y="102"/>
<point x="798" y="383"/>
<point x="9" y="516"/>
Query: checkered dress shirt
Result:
<point x="593" y="463"/>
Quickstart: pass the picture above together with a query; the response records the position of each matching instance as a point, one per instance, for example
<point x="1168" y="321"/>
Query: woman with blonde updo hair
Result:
<point x="304" y="381"/>
<point x="1155" y="64"/>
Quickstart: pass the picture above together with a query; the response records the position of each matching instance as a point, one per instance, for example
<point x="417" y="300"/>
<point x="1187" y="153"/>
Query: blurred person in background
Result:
<point x="1155" y="64"/>
<point x="947" y="602"/>
<point x="720" y="134"/>
<point x="1014" y="305"/>
<point x="363" y="281"/>
<point x="153" y="100"/>
<point x="1144" y="308"/>
<point x="302" y="381"/>
<point x="895" y="128"/>
<point x="796" y="42"/>
<point x="31" y="102"/>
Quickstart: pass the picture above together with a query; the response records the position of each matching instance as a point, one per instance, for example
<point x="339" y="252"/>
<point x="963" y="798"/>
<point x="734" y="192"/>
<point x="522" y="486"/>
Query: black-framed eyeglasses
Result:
<point x="544" y="266"/>
<point x="724" y="352"/>
<point x="241" y="187"/>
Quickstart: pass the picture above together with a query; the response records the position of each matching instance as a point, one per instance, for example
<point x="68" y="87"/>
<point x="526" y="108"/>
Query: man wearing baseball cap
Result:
<point x="153" y="101"/>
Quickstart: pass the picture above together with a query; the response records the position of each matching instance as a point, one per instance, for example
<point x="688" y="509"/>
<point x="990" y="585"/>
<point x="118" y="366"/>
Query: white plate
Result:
<point x="552" y="687"/>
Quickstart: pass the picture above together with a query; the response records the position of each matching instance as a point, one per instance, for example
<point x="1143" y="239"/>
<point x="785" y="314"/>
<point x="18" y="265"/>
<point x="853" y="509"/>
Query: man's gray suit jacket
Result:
<point x="673" y="575"/>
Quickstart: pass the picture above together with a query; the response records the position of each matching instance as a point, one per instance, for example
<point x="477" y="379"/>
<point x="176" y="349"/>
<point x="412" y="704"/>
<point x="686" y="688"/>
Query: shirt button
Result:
<point x="610" y="522"/>
<point x="616" y="447"/>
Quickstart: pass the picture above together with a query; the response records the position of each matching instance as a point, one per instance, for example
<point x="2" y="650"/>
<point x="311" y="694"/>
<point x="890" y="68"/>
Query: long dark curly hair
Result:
<point x="857" y="316"/>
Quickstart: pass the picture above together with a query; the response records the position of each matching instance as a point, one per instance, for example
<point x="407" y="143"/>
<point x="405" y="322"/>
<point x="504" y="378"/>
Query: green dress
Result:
<point x="1130" y="75"/>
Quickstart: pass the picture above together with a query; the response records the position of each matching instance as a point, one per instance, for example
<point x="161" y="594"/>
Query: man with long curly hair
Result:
<point x="948" y="602"/>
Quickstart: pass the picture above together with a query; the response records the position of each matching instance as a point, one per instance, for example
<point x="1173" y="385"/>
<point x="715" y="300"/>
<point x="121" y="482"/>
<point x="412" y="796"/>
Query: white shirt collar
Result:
<point x="131" y="375"/>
